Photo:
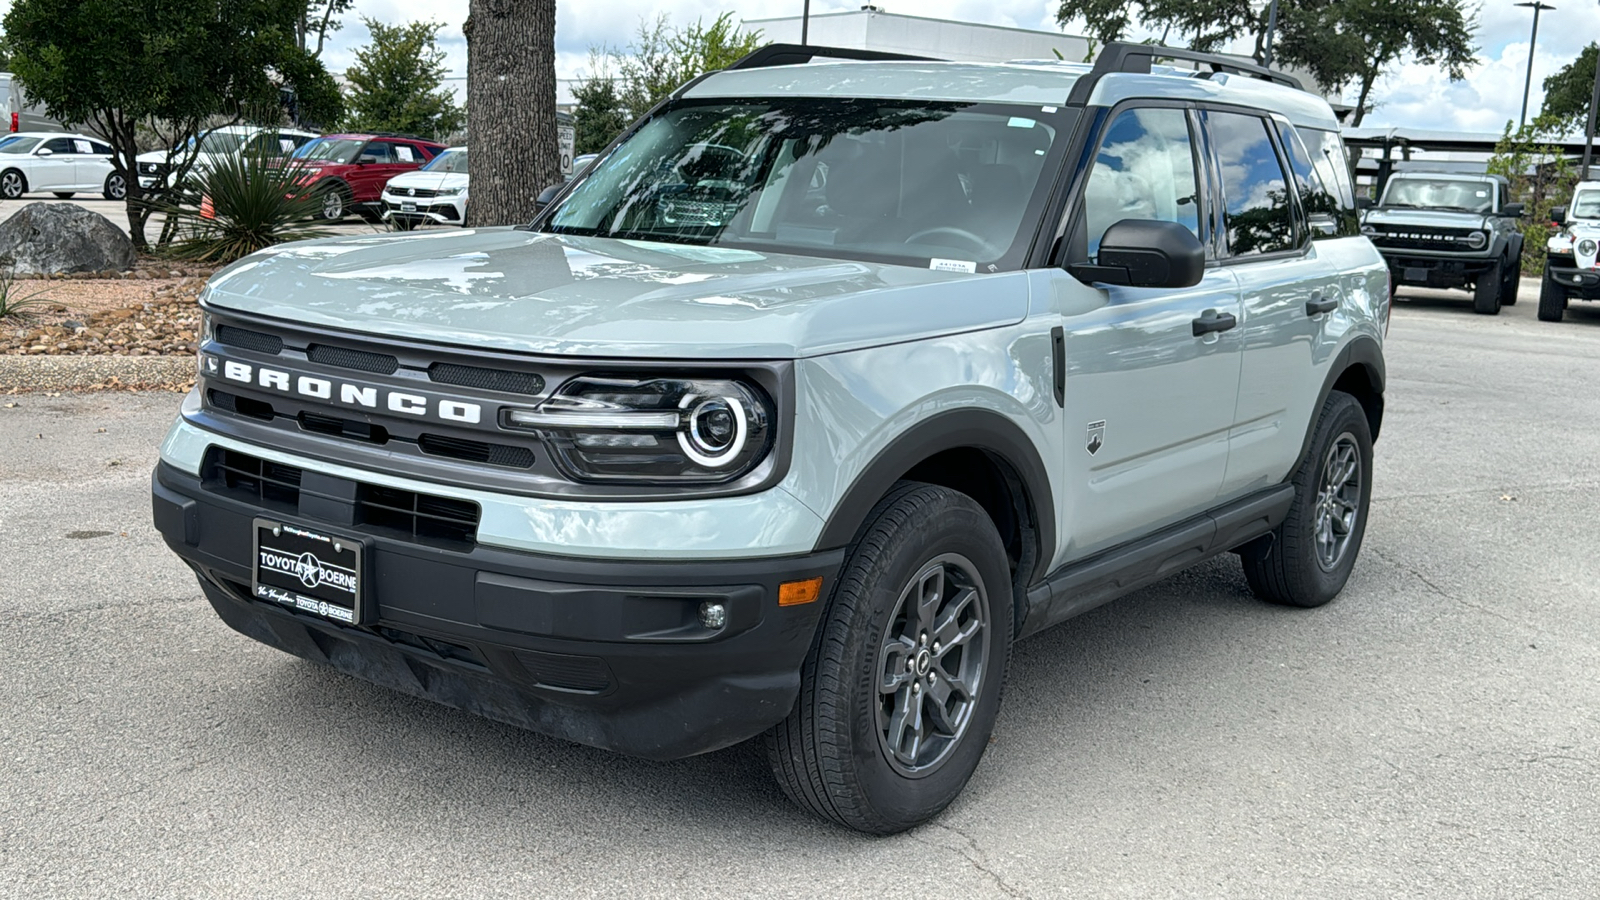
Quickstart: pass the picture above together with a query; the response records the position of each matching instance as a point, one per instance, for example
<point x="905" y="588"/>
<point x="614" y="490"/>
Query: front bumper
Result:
<point x="1442" y="271"/>
<point x="443" y="211"/>
<point x="609" y="653"/>
<point x="1582" y="284"/>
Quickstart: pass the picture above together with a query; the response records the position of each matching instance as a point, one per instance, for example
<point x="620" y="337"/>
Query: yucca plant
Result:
<point x="13" y="303"/>
<point x="244" y="203"/>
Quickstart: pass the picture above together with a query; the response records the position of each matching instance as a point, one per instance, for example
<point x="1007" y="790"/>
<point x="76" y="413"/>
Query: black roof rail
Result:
<point x="797" y="54"/>
<point x="1121" y="56"/>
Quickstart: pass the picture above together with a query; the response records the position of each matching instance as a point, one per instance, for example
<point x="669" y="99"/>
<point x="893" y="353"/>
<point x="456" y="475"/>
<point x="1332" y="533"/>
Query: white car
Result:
<point x="437" y="192"/>
<point x="63" y="164"/>
<point x="217" y="144"/>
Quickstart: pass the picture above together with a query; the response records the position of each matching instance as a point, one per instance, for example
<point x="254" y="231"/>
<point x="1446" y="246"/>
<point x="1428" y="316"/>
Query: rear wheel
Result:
<point x="1307" y="559"/>
<point x="12" y="184"/>
<point x="1552" y="298"/>
<point x="1486" y="293"/>
<point x="899" y="693"/>
<point x="116" y="187"/>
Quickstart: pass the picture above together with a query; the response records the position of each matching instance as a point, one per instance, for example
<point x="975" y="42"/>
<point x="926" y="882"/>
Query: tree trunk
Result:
<point x="1367" y="78"/>
<point x="511" y="108"/>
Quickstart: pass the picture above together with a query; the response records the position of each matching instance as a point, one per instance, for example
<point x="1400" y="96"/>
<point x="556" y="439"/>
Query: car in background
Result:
<point x="1572" y="268"/>
<point x="346" y="172"/>
<point x="437" y="192"/>
<point x="220" y="143"/>
<point x="24" y="115"/>
<point x="62" y="164"/>
<point x="580" y="164"/>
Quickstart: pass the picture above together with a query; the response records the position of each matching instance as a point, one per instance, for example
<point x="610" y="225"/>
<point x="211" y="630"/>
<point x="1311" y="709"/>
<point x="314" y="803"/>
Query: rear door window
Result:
<point x="1258" y="216"/>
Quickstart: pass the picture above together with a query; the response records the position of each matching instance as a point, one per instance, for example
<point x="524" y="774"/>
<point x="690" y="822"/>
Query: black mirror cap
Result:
<point x="1147" y="253"/>
<point x="546" y="196"/>
<point x="1558" y="215"/>
<point x="1512" y="210"/>
<point x="1363" y="201"/>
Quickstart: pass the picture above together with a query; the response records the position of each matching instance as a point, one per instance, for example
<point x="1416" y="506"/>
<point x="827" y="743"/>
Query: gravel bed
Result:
<point x="30" y="374"/>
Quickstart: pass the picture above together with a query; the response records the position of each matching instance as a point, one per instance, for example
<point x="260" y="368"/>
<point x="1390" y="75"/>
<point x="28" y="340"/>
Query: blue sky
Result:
<point x="1414" y="95"/>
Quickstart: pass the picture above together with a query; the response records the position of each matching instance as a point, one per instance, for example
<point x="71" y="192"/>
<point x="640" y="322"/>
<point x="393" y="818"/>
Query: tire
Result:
<point x="115" y="188"/>
<point x="1486" y="293"/>
<point x="13" y="184"/>
<point x="1296" y="565"/>
<point x="64" y="195"/>
<point x="1552" y="298"/>
<point x="332" y="203"/>
<point x="848" y="752"/>
<point x="1513" y="282"/>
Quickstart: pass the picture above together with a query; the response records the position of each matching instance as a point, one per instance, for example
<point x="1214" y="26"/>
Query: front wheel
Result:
<point x="1552" y="298"/>
<point x="899" y="693"/>
<point x="1486" y="293"/>
<point x="1307" y="559"/>
<point x="332" y="204"/>
<point x="1512" y="283"/>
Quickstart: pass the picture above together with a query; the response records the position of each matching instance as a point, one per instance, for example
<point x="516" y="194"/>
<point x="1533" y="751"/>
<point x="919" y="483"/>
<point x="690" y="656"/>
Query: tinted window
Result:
<point x="58" y="145"/>
<point x="102" y="149"/>
<point x="377" y="152"/>
<point x="1256" y="209"/>
<point x="1318" y="195"/>
<point x="1144" y="169"/>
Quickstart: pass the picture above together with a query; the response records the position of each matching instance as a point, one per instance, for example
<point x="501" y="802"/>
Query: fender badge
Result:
<point x="1096" y="437"/>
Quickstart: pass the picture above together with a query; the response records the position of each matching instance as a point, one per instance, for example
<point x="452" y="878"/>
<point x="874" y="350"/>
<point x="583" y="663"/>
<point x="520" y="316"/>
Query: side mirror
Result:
<point x="44" y="151"/>
<point x="1512" y="210"/>
<point x="1146" y="253"/>
<point x="1558" y="215"/>
<point x="1363" y="202"/>
<point x="545" y="197"/>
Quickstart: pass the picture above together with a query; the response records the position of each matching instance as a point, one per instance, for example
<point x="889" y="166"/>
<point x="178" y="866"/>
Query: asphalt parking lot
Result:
<point x="1431" y="733"/>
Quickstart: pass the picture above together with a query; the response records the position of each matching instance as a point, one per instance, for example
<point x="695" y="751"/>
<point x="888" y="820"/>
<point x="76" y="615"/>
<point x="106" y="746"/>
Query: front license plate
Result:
<point x="309" y="571"/>
<point x="408" y="207"/>
<point x="1416" y="274"/>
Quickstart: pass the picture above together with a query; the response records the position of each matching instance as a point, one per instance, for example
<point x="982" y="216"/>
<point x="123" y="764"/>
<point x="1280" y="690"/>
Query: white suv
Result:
<point x="213" y="145"/>
<point x="437" y="192"/>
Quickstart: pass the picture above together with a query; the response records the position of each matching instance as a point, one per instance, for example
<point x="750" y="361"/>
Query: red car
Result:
<point x="347" y="172"/>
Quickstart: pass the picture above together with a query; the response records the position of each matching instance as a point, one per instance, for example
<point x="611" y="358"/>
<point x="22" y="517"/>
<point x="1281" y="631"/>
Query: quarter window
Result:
<point x="1144" y="169"/>
<point x="1257" y="213"/>
<point x="1318" y="197"/>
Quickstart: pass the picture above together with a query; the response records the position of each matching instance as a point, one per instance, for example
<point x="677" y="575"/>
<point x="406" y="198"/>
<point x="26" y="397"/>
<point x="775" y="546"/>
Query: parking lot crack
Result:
<point x="979" y="859"/>
<point x="1417" y="574"/>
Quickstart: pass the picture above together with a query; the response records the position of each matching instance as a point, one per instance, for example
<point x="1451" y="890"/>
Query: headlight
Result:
<point x="676" y="430"/>
<point x="1586" y="247"/>
<point x="1477" y="240"/>
<point x="448" y="192"/>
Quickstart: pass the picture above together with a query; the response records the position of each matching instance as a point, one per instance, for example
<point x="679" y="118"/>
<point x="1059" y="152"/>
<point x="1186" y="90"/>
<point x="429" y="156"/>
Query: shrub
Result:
<point x="14" y="304"/>
<point x="244" y="203"/>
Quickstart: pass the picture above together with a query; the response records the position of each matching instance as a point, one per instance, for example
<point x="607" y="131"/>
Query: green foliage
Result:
<point x="1541" y="177"/>
<point x="15" y="305"/>
<point x="660" y="59"/>
<point x="395" y="84"/>
<point x="244" y="203"/>
<point x="118" y="65"/>
<point x="1340" y="42"/>
<point x="318" y="19"/>
<point x="1568" y="91"/>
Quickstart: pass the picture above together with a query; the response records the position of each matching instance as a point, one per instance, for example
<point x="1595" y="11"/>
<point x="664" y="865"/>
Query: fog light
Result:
<point x="713" y="615"/>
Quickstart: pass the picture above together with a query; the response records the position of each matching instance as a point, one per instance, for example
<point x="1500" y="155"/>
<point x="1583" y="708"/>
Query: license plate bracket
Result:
<point x="408" y="207"/>
<point x="1416" y="274"/>
<point x="310" y="571"/>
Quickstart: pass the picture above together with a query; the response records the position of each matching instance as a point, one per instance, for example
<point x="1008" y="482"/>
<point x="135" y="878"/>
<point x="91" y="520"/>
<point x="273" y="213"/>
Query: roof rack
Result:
<point x="797" y="54"/>
<point x="1121" y="56"/>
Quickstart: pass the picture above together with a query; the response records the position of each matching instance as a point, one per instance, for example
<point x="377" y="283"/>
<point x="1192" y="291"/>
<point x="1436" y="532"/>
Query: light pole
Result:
<point x="1537" y="6"/>
<point x="805" y="22"/>
<point x="1589" y="123"/>
<point x="1272" y="26"/>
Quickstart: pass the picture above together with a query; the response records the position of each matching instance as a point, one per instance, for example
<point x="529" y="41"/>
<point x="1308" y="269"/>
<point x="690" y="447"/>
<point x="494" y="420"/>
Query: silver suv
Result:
<point x="1444" y="230"/>
<point x="824" y="385"/>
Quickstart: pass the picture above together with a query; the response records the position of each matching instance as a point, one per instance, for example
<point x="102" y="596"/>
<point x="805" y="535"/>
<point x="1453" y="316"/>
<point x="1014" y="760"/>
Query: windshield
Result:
<point x="219" y="142"/>
<point x="451" y="161"/>
<point x="342" y="152"/>
<point x="1586" y="205"/>
<point x="19" y="144"/>
<point x="932" y="184"/>
<point x="1440" y="193"/>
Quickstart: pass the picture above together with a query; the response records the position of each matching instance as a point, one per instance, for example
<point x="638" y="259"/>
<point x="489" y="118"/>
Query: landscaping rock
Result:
<point x="63" y="238"/>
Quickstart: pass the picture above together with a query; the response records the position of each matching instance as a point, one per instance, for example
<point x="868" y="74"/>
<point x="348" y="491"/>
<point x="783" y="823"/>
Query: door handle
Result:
<point x="1316" y="305"/>
<point x="1211" y="321"/>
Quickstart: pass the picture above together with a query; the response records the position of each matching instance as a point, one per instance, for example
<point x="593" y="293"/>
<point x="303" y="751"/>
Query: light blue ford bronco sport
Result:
<point x="835" y="375"/>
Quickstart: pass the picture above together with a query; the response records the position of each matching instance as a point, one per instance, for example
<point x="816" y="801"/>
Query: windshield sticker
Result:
<point x="286" y="145"/>
<point x="1047" y="109"/>
<point x="403" y="152"/>
<point x="1021" y="122"/>
<point x="82" y="147"/>
<point x="952" y="265"/>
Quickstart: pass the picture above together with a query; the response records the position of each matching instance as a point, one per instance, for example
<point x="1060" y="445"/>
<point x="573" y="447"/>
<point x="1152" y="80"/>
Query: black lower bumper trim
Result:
<point x="610" y="653"/>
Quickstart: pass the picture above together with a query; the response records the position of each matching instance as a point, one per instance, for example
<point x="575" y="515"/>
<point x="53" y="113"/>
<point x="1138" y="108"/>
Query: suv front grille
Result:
<point x="345" y="358"/>
<point x="234" y="336"/>
<point x="252" y="479"/>
<point x="1448" y="240"/>
<point x="486" y="379"/>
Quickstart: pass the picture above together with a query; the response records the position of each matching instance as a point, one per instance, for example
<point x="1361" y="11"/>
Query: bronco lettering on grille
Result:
<point x="347" y="393"/>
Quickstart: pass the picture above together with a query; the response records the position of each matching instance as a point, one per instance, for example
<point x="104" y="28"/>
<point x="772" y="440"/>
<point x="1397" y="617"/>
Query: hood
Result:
<point x="515" y="290"/>
<point x="1425" y="218"/>
<point x="430" y="180"/>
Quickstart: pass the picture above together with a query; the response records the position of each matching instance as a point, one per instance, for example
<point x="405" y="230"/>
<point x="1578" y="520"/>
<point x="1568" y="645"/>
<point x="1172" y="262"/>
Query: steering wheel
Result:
<point x="984" y="248"/>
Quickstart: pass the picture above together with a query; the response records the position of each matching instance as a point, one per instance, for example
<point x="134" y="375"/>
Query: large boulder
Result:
<point x="62" y="238"/>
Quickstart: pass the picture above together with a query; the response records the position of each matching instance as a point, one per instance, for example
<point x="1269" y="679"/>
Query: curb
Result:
<point x="26" y="374"/>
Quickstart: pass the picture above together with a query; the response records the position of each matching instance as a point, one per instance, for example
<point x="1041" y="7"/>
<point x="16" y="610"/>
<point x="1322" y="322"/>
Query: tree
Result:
<point x="1567" y="92"/>
<point x="166" y="65"/>
<point x="318" y="19"/>
<point x="396" y="82"/>
<point x="511" y="89"/>
<point x="1340" y="42"/>
<point x="1541" y="175"/>
<point x="660" y="60"/>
